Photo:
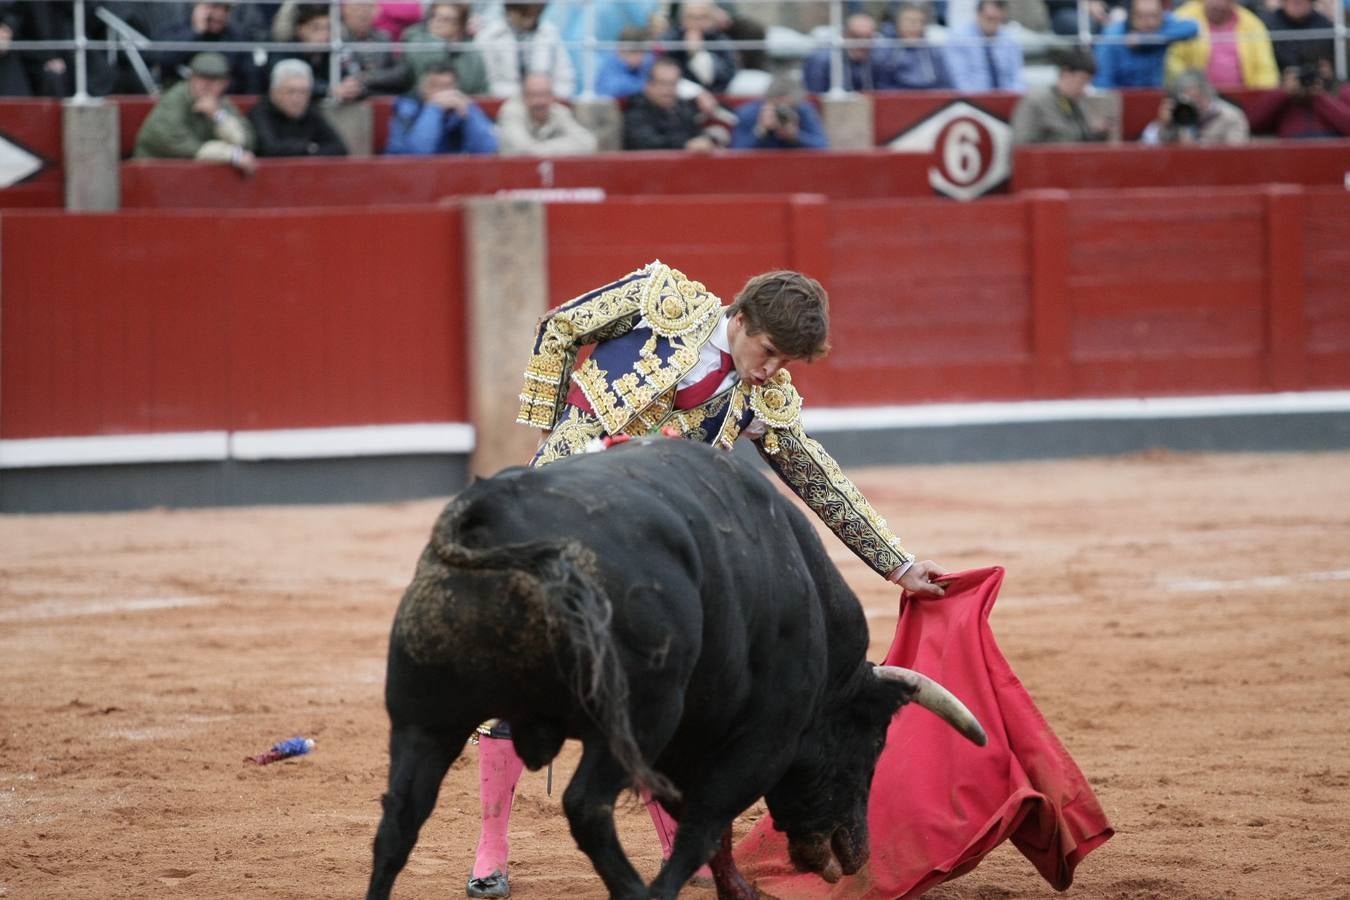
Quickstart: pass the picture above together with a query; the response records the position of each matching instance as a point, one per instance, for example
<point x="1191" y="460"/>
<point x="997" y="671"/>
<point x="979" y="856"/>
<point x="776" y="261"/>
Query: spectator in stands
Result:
<point x="51" y="72"/>
<point x="13" y="76"/>
<point x="1064" y="16"/>
<point x="781" y="121"/>
<point x="623" y="72"/>
<point x="1135" y="49"/>
<point x="194" y="120"/>
<point x="1233" y="47"/>
<point x="312" y="26"/>
<point x="752" y="76"/>
<point x="701" y="59"/>
<point x="866" y="66"/>
<point x="1054" y="114"/>
<point x="983" y="56"/>
<point x="916" y="66"/>
<point x="439" y="118"/>
<point x="1309" y="104"/>
<point x="1192" y="113"/>
<point x="1299" y="15"/>
<point x="366" y="72"/>
<point x="659" y="119"/>
<point x="208" y="23"/>
<point x="430" y="42"/>
<point x="533" y="123"/>
<point x="397" y="16"/>
<point x="610" y="17"/>
<point x="520" y="44"/>
<point x="286" y="122"/>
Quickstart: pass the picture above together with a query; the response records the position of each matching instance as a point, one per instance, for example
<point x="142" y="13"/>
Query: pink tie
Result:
<point x="701" y="390"/>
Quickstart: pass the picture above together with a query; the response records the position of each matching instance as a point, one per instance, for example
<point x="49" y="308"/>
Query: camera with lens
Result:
<point x="1308" y="76"/>
<point x="1184" y="112"/>
<point x="784" y="114"/>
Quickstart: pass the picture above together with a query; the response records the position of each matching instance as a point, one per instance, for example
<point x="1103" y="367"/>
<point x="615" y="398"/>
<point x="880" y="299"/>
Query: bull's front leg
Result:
<point x="731" y="884"/>
<point x="589" y="805"/>
<point x="693" y="847"/>
<point x="704" y="831"/>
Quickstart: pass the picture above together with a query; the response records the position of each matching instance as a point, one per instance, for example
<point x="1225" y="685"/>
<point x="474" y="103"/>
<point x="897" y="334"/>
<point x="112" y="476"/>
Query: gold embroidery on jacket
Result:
<point x="731" y="425"/>
<point x="571" y="436"/>
<point x="680" y="310"/>
<point x="815" y="477"/>
<point x="776" y="402"/>
<point x="609" y="314"/>
<point x="676" y="306"/>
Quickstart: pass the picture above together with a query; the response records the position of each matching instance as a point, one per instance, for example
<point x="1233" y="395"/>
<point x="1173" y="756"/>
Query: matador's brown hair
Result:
<point x="792" y="308"/>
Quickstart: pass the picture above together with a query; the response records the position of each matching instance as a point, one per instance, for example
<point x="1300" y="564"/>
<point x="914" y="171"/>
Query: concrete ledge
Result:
<point x="369" y="479"/>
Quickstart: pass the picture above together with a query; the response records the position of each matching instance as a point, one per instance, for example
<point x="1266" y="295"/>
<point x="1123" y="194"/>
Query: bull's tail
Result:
<point x="580" y="617"/>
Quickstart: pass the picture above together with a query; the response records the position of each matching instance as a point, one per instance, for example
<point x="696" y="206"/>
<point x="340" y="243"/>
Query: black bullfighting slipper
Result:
<point x="494" y="885"/>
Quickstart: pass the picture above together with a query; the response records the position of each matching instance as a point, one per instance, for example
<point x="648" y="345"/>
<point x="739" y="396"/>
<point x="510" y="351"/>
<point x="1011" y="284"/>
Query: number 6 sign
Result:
<point x="973" y="149"/>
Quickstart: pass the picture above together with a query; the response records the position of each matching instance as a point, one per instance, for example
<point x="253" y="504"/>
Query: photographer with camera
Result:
<point x="1294" y="16"/>
<point x="1192" y="113"/>
<point x="781" y="121"/>
<point x="1308" y="104"/>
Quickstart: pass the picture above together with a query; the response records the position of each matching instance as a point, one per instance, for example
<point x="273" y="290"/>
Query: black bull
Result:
<point x="664" y="604"/>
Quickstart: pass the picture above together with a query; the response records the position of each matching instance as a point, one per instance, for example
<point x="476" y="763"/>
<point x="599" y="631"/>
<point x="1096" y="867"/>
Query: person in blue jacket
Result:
<point x="623" y="72"/>
<point x="781" y="121"/>
<point x="439" y="118"/>
<point x="1133" y="51"/>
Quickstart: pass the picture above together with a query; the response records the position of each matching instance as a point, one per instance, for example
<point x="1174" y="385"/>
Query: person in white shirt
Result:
<point x="533" y="123"/>
<point x="518" y="44"/>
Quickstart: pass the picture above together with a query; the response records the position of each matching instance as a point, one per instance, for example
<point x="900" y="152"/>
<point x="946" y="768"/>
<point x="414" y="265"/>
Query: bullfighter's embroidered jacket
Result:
<point x="648" y="329"/>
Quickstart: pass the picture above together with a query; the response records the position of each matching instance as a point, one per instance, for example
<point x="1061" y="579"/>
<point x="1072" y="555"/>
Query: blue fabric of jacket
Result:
<point x="424" y="129"/>
<point x="968" y="65"/>
<point x="1119" y="66"/>
<point x="810" y="131"/>
<point x="870" y="74"/>
<point x="615" y="79"/>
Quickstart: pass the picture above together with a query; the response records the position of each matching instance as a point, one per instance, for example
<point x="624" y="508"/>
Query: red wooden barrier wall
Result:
<point x="36" y="124"/>
<point x="839" y="175"/>
<point x="137" y="322"/>
<point x="1325" y="270"/>
<point x="1107" y="166"/>
<point x="183" y="321"/>
<point x="895" y="111"/>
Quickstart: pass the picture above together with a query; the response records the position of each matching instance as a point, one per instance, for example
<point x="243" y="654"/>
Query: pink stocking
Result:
<point x="498" y="771"/>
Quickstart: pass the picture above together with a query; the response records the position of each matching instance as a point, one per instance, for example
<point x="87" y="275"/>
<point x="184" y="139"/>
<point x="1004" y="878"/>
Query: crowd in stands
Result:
<point x="675" y="69"/>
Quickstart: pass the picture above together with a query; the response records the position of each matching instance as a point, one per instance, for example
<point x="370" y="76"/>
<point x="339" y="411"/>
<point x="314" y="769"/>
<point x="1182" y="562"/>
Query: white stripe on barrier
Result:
<point x="215" y="446"/>
<point x="183" y="446"/>
<point x="942" y="415"/>
<point x="364" y="440"/>
<point x="458" y="437"/>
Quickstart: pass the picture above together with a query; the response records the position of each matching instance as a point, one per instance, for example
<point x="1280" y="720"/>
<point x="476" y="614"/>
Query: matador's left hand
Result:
<point x="921" y="578"/>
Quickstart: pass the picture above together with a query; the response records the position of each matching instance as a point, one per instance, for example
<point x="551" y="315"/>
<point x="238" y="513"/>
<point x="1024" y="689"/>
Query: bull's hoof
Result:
<point x="494" y="885"/>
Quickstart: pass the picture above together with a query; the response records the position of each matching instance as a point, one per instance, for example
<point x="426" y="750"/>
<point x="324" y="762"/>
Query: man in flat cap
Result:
<point x="194" y="120"/>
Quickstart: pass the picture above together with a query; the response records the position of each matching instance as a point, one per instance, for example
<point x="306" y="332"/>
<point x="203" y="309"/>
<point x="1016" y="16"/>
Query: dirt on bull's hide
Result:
<point x="1183" y="622"/>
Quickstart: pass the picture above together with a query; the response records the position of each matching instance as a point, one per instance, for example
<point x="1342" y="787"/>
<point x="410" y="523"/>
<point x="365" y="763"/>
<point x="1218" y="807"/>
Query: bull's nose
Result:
<point x="850" y="848"/>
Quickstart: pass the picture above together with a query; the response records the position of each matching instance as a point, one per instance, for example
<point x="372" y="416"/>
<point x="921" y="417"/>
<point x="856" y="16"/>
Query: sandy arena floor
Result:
<point x="1183" y="621"/>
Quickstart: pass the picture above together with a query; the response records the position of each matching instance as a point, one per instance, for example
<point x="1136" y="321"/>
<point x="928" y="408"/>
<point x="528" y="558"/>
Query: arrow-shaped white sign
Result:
<point x="16" y="163"/>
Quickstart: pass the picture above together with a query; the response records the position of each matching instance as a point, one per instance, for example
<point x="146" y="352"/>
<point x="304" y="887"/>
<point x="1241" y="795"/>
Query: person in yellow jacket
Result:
<point x="1233" y="47"/>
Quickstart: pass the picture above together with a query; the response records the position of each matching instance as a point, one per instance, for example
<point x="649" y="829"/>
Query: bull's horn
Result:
<point x="933" y="696"/>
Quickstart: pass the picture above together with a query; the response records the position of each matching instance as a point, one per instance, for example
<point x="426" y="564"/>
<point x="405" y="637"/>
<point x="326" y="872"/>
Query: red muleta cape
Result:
<point x="939" y="804"/>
